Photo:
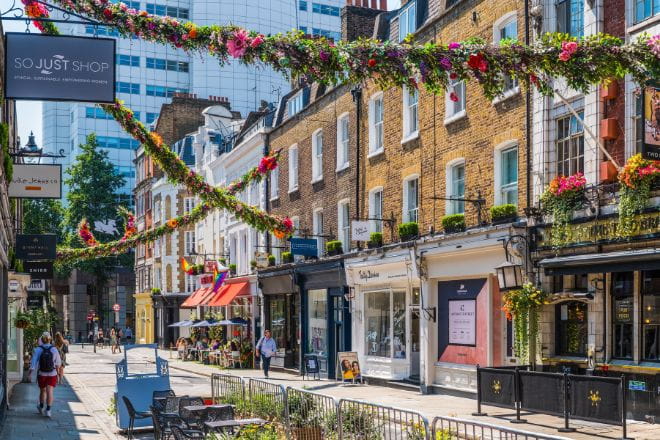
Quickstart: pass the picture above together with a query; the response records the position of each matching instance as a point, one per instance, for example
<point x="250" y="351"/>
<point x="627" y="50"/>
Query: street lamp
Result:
<point x="509" y="274"/>
<point x="31" y="149"/>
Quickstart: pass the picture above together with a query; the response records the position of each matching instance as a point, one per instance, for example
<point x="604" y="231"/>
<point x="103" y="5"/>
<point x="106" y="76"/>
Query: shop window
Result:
<point x="571" y="328"/>
<point x="277" y="309"/>
<point x="385" y="314"/>
<point x="622" y="315"/>
<point x="317" y="322"/>
<point x="651" y="315"/>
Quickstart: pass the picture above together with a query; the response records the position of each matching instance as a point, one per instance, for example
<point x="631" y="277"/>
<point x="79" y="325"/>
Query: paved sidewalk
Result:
<point x="71" y="419"/>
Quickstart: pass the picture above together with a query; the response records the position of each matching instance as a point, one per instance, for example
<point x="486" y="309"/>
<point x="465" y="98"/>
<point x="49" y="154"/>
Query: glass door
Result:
<point x="414" y="342"/>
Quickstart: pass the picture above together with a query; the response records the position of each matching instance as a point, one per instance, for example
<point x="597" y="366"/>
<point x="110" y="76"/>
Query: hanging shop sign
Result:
<point x="651" y="120"/>
<point x="62" y="68"/>
<point x="307" y="247"/>
<point x="36" y="246"/>
<point x="39" y="270"/>
<point x="601" y="230"/>
<point x="35" y="301"/>
<point x="360" y="230"/>
<point x="32" y="181"/>
<point x="210" y="266"/>
<point x="463" y="322"/>
<point x="261" y="258"/>
<point x="37" y="286"/>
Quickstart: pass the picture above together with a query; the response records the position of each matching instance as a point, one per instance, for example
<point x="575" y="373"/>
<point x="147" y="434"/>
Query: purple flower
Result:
<point x="325" y="56"/>
<point x="454" y="45"/>
<point x="654" y="45"/>
<point x="445" y="63"/>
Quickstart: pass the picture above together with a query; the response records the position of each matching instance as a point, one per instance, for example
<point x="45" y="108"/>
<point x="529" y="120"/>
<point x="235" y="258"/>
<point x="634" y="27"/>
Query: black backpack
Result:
<point x="46" y="360"/>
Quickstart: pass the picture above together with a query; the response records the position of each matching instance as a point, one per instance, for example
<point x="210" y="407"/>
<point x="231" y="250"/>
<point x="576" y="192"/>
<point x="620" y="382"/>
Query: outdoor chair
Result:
<point x="159" y="398"/>
<point x="236" y="359"/>
<point x="185" y="434"/>
<point x="189" y="417"/>
<point x="133" y="415"/>
<point x="162" y="430"/>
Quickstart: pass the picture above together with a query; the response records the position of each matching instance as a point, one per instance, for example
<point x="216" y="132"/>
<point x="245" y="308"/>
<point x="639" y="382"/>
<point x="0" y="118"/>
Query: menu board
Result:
<point x="463" y="322"/>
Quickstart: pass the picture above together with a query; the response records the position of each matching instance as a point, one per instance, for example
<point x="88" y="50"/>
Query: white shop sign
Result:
<point x="381" y="273"/>
<point x="360" y="230"/>
<point x="463" y="322"/>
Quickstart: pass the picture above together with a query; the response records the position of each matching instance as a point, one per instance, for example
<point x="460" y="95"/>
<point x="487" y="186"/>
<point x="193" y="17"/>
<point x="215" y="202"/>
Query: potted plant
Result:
<point x="223" y="261"/>
<point x="271" y="260"/>
<point x="334" y="247"/>
<point x="253" y="264"/>
<point x="563" y="196"/>
<point x="501" y="214"/>
<point x="232" y="268"/>
<point x="375" y="240"/>
<point x="408" y="231"/>
<point x="155" y="291"/>
<point x="287" y="257"/>
<point x="453" y="223"/>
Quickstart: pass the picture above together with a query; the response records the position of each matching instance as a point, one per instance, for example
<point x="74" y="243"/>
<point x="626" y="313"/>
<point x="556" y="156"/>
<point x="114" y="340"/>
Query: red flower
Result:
<point x="107" y="13"/>
<point x="453" y="75"/>
<point x="371" y="62"/>
<point x="267" y="164"/>
<point x="288" y="223"/>
<point x="478" y="62"/>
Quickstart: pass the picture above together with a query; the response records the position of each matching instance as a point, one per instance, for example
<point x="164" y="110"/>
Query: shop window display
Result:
<point x="651" y="315"/>
<point x="386" y="324"/>
<point x="572" y="328"/>
<point x="278" y="321"/>
<point x="318" y="321"/>
<point x="622" y="315"/>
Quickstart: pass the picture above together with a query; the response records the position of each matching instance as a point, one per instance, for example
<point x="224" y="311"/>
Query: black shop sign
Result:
<point x="36" y="246"/>
<point x="39" y="270"/>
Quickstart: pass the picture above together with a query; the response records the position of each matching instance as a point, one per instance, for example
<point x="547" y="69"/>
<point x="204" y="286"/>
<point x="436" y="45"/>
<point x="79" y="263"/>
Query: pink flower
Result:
<point x="257" y="41"/>
<point x="324" y="56"/>
<point x="564" y="56"/>
<point x="453" y="75"/>
<point x="654" y="45"/>
<point x="570" y="46"/>
<point x="237" y="45"/>
<point x="453" y="45"/>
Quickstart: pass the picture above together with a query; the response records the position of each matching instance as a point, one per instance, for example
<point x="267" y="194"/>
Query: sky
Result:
<point x="29" y="112"/>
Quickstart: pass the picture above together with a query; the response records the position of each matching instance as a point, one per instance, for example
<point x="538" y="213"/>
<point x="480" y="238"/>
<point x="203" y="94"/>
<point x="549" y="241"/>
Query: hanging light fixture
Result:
<point x="509" y="275"/>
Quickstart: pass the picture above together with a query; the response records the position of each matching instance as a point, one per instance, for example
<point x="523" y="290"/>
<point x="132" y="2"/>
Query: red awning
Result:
<point x="196" y="297"/>
<point x="228" y="292"/>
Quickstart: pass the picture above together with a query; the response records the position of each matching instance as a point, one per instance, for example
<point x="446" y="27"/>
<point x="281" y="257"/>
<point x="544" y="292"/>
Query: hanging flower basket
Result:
<point x="22" y="323"/>
<point x="561" y="198"/>
<point x="523" y="306"/>
<point x="637" y="179"/>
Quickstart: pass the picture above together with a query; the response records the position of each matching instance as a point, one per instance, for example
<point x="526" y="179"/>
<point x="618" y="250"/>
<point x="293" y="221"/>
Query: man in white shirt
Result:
<point x="46" y="360"/>
<point x="266" y="347"/>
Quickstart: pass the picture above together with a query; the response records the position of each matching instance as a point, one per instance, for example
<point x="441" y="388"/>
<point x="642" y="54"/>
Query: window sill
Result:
<point x="292" y="190"/>
<point x="410" y="137"/>
<point x="456" y="117"/>
<point x="274" y="199"/>
<point x="317" y="180"/>
<point x="376" y="153"/>
<point x="342" y="168"/>
<point x="507" y="95"/>
<point x="642" y="25"/>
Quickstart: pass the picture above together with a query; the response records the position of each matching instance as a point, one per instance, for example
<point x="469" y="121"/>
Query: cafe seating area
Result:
<point x="187" y="417"/>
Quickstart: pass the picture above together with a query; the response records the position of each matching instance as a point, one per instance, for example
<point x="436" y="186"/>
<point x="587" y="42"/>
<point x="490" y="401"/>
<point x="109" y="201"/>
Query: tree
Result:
<point x="43" y="216"/>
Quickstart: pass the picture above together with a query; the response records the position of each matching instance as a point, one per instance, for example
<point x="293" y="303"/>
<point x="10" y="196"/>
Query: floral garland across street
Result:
<point x="583" y="62"/>
<point x="95" y="249"/>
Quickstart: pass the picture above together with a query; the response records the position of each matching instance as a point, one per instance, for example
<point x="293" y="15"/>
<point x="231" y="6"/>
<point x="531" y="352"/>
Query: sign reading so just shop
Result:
<point x="62" y="68"/>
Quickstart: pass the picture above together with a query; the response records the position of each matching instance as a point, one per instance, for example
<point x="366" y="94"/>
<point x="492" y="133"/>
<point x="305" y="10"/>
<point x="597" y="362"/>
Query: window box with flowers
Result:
<point x="561" y="198"/>
<point x="155" y="291"/>
<point x="637" y="179"/>
<point x="287" y="257"/>
<point x="522" y="307"/>
<point x="271" y="260"/>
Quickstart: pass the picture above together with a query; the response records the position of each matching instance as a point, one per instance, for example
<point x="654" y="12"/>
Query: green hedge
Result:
<point x="334" y="245"/>
<point x="408" y="230"/>
<point x="503" y="211"/>
<point x="453" y="222"/>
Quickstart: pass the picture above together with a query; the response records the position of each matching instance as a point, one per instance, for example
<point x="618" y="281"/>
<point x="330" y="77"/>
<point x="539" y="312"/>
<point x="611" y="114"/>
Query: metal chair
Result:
<point x="214" y="414"/>
<point x="186" y="434"/>
<point x="188" y="417"/>
<point x="133" y="414"/>
<point x="159" y="398"/>
<point x="162" y="430"/>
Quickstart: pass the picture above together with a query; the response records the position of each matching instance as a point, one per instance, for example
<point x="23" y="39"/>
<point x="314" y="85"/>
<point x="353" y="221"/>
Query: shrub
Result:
<point x="334" y="246"/>
<point x="376" y="238"/>
<point x="408" y="230"/>
<point x="155" y="291"/>
<point x="232" y="267"/>
<point x="453" y="222"/>
<point x="271" y="260"/>
<point x="503" y="211"/>
<point x="253" y="264"/>
<point x="287" y="257"/>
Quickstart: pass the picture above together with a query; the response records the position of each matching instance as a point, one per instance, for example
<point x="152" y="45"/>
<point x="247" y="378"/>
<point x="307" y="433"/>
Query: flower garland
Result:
<point x="85" y="233"/>
<point x="523" y="306"/>
<point x="636" y="178"/>
<point x="256" y="174"/>
<point x="130" y="229"/>
<point x="588" y="61"/>
<point x="563" y="196"/>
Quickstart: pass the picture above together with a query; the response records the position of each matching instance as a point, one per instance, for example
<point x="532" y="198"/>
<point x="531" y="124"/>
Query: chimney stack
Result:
<point x="358" y="18"/>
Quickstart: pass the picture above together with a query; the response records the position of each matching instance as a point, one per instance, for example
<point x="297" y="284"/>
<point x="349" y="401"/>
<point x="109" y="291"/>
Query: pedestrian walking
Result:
<point x="60" y="343"/>
<point x="114" y="341"/>
<point x="129" y="335"/>
<point x="266" y="347"/>
<point x="120" y="337"/>
<point x="99" y="339"/>
<point x="46" y="360"/>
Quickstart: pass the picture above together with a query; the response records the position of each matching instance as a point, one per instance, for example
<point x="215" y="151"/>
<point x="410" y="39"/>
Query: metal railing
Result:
<point x="451" y="428"/>
<point x="368" y="421"/>
<point x="267" y="400"/>
<point x="310" y="416"/>
<point x="228" y="389"/>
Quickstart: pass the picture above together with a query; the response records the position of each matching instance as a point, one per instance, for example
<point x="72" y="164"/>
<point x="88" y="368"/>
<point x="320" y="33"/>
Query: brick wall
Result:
<point x="182" y="116"/>
<point x="615" y="24"/>
<point x="357" y="22"/>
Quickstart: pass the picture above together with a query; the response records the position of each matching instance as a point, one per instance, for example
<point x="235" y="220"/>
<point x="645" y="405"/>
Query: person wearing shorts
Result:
<point x="47" y="372"/>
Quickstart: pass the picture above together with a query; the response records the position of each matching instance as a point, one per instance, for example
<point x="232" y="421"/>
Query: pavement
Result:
<point x="80" y="410"/>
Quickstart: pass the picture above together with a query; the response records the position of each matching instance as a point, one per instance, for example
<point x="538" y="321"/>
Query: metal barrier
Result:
<point x="228" y="389"/>
<point x="450" y="428"/>
<point x="368" y="421"/>
<point x="267" y="400"/>
<point x="310" y="416"/>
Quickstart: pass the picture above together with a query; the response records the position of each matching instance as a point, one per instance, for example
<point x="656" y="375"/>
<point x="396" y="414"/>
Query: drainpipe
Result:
<point x="528" y="123"/>
<point x="357" y="99"/>
<point x="266" y="151"/>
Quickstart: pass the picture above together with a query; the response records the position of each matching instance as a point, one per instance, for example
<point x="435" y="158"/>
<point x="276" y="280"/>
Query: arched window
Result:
<point x="168" y="278"/>
<point x="168" y="208"/>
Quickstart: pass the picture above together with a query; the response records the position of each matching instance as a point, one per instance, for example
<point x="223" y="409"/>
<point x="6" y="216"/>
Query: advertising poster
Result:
<point x="651" y="147"/>
<point x="349" y="366"/>
<point x="463" y="322"/>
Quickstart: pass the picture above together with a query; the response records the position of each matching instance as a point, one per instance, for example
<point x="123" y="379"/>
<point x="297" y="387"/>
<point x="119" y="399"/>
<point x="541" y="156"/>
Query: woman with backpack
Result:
<point x="46" y="360"/>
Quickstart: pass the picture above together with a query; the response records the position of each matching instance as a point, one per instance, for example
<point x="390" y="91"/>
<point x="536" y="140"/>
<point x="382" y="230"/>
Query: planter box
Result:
<point x="307" y="433"/>
<point x="454" y="230"/>
<point x="335" y="252"/>
<point x="504" y="220"/>
<point x="408" y="237"/>
<point x="371" y="245"/>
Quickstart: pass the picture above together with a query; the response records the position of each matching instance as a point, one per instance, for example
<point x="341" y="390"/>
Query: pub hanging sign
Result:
<point x="59" y="68"/>
<point x="651" y="121"/>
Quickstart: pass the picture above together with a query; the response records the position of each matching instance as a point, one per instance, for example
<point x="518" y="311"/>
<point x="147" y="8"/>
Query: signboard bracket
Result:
<point x="16" y="13"/>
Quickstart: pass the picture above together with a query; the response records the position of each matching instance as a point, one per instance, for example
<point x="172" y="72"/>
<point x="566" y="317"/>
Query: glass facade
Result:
<point x="622" y="314"/>
<point x="651" y="315"/>
<point x="385" y="317"/>
<point x="571" y="328"/>
<point x="317" y="322"/>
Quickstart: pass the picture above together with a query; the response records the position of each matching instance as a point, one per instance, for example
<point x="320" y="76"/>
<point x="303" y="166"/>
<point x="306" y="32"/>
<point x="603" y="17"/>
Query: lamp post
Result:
<point x="510" y="274"/>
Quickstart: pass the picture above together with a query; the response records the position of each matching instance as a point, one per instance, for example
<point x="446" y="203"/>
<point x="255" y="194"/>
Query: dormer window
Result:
<point x="408" y="20"/>
<point x="295" y="104"/>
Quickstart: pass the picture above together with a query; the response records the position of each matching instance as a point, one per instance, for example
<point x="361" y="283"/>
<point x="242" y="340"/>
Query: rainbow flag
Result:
<point x="187" y="268"/>
<point x="219" y="279"/>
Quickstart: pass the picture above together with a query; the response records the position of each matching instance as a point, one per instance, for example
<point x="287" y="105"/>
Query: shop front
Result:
<point x="326" y="318"/>
<point x="385" y="310"/>
<point x="17" y="292"/>
<point x="144" y="318"/>
<point x="281" y="315"/>
<point x="604" y="316"/>
<point x="469" y="328"/>
<point x="167" y="310"/>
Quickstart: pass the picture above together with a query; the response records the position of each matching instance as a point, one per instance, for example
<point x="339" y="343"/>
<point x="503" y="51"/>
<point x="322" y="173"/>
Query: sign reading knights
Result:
<point x="62" y="68"/>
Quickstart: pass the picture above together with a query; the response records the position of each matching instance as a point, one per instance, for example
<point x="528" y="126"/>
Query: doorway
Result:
<point x="415" y="343"/>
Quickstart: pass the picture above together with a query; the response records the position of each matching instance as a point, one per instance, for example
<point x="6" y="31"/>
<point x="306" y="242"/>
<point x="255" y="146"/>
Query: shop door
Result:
<point x="414" y="343"/>
<point x="340" y="337"/>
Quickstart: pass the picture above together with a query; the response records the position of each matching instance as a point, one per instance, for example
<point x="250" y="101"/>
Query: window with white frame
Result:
<point x="317" y="152"/>
<point x="317" y="221"/>
<point x="570" y="145"/>
<point x="506" y="187"/>
<point x="455" y="99"/>
<point x="570" y="17"/>
<point x="277" y="248"/>
<point x="644" y="9"/>
<point x="188" y="204"/>
<point x="410" y="101"/>
<point x="638" y="121"/>
<point x="342" y="142"/>
<point x="408" y="20"/>
<point x="296" y="225"/>
<point x="376" y="209"/>
<point x="275" y="183"/>
<point x="506" y="30"/>
<point x="376" y="124"/>
<point x="157" y="212"/>
<point x="411" y="198"/>
<point x="344" y="224"/>
<point x="295" y="104"/>
<point x="293" y="168"/>
<point x="191" y="283"/>
<point x="190" y="242"/>
<point x="456" y="187"/>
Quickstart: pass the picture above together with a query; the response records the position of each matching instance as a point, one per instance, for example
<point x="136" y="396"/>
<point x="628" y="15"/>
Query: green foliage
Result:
<point x="376" y="238"/>
<point x="271" y="260"/>
<point x="453" y="223"/>
<point x="155" y="291"/>
<point x="287" y="257"/>
<point x="503" y="211"/>
<point x="250" y="432"/>
<point x="112" y="407"/>
<point x="408" y="230"/>
<point x="253" y="264"/>
<point x="4" y="144"/>
<point x="334" y="246"/>
<point x="38" y="321"/>
<point x="523" y="306"/>
<point x="232" y="267"/>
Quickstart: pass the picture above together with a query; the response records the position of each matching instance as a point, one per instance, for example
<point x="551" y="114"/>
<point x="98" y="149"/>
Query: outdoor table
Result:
<point x="231" y="424"/>
<point x="201" y="408"/>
